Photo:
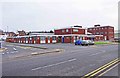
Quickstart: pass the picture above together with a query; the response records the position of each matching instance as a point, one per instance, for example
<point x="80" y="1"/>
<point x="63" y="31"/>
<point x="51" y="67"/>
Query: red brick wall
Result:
<point x="67" y="39"/>
<point x="70" y="31"/>
<point x="108" y="31"/>
<point x="38" y="40"/>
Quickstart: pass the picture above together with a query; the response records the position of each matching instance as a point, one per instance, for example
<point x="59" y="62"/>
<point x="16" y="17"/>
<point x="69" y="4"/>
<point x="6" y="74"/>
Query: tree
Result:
<point x="51" y="31"/>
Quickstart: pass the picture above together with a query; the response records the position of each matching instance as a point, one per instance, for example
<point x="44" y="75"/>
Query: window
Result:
<point x="67" y="30"/>
<point x="53" y="37"/>
<point x="75" y="30"/>
<point x="97" y="32"/>
<point x="101" y="33"/>
<point x="105" y="27"/>
<point x="48" y="37"/>
<point x="110" y="32"/>
<point x="63" y="30"/>
<point x="35" y="38"/>
<point x="42" y="38"/>
<point x="105" y="32"/>
<point x="26" y="38"/>
<point x="90" y="29"/>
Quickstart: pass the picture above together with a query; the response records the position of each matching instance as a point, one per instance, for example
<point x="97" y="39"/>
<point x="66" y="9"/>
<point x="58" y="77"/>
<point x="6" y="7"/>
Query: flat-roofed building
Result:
<point x="106" y="31"/>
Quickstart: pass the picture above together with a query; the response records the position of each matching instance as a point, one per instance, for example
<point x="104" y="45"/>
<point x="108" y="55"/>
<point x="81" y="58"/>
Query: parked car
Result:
<point x="87" y="42"/>
<point x="91" y="42"/>
<point x="78" y="42"/>
<point x="84" y="42"/>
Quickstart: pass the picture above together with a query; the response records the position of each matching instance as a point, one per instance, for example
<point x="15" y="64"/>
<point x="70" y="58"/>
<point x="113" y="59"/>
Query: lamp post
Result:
<point x="71" y="33"/>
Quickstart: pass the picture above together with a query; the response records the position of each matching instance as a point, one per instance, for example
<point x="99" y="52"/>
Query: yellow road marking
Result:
<point x="104" y="68"/>
<point x="108" y="70"/>
<point x="101" y="68"/>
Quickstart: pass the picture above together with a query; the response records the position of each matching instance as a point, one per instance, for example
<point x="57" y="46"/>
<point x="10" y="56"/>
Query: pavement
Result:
<point x="72" y="61"/>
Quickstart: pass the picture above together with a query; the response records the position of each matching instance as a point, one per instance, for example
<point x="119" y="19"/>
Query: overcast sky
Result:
<point x="38" y="15"/>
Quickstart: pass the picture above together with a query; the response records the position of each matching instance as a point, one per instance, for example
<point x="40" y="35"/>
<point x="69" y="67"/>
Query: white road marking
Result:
<point x="103" y="51"/>
<point x="10" y="52"/>
<point x="54" y="64"/>
<point x="7" y="52"/>
<point x="14" y="49"/>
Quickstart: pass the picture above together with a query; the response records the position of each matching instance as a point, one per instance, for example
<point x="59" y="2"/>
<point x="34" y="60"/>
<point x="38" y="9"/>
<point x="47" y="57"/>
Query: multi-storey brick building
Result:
<point x="70" y="30"/>
<point x="73" y="33"/>
<point x="106" y="31"/>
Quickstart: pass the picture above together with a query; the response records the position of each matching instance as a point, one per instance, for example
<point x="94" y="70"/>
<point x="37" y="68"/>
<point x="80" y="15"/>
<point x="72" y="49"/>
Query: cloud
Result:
<point x="50" y="14"/>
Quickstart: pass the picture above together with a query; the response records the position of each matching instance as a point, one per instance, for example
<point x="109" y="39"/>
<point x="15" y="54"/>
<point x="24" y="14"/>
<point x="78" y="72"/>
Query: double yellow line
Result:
<point x="101" y="69"/>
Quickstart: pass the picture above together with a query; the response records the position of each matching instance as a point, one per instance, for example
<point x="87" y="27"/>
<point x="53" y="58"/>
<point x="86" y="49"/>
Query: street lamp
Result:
<point x="71" y="33"/>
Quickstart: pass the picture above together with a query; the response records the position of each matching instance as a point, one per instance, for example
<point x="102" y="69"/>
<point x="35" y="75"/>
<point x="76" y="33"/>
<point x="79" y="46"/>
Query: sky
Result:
<point x="45" y="15"/>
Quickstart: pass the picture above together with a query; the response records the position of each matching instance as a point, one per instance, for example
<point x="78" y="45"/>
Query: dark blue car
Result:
<point x="78" y="42"/>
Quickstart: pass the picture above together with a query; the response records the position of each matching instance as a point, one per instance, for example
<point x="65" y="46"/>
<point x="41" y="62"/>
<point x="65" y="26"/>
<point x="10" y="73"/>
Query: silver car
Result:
<point x="87" y="42"/>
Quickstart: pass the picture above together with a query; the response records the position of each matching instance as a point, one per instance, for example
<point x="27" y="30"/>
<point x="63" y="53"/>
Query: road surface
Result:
<point x="71" y="61"/>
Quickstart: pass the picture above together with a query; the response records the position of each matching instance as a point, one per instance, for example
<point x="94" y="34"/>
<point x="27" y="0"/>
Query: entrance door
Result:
<point x="105" y="37"/>
<point x="62" y="39"/>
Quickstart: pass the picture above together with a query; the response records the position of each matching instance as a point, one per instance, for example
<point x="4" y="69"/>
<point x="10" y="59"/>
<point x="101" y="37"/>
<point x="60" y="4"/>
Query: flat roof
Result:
<point x="83" y="35"/>
<point x="69" y="28"/>
<point x="100" y="26"/>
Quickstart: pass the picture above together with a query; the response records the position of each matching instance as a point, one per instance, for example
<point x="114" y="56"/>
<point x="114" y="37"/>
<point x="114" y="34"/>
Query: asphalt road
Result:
<point x="72" y="61"/>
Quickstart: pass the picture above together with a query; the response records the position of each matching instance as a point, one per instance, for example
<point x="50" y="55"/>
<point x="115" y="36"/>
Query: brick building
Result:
<point x="71" y="30"/>
<point x="106" y="31"/>
<point x="66" y="35"/>
<point x="73" y="33"/>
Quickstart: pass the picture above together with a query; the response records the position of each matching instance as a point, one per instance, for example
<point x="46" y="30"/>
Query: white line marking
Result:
<point x="54" y="64"/>
<point x="103" y="51"/>
<point x="7" y="52"/>
<point x="14" y="49"/>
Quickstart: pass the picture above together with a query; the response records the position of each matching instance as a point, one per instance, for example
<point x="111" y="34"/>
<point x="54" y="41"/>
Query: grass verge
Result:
<point x="101" y="42"/>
